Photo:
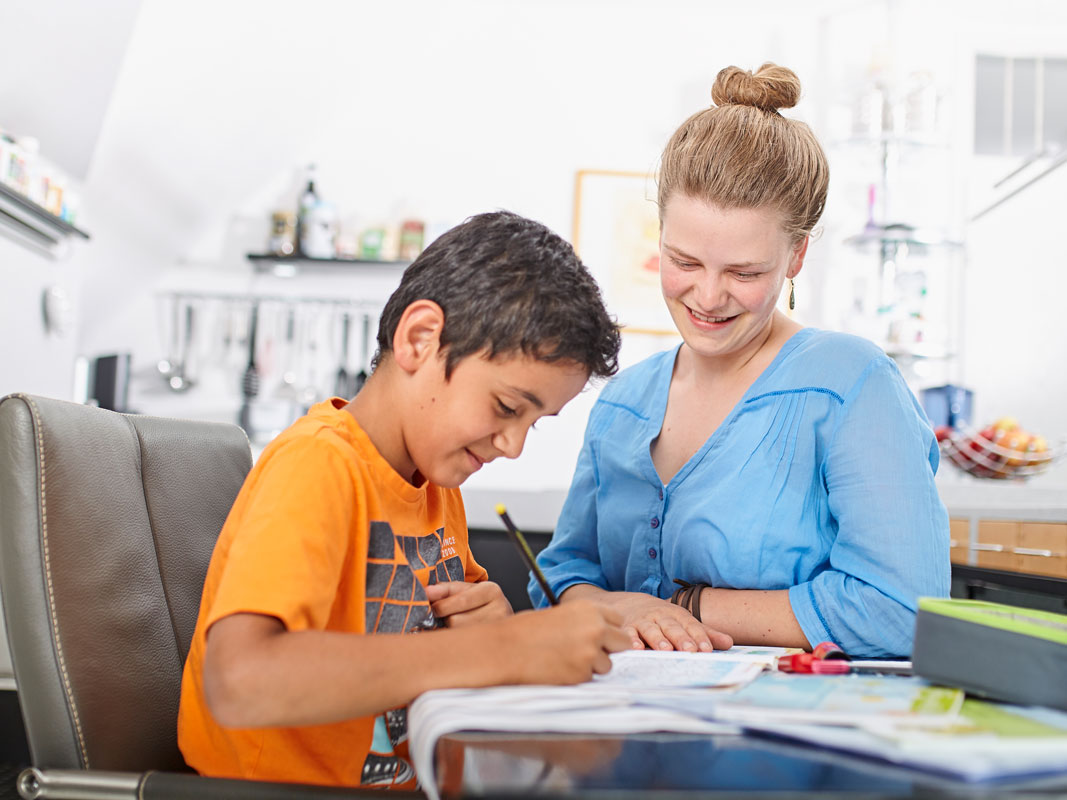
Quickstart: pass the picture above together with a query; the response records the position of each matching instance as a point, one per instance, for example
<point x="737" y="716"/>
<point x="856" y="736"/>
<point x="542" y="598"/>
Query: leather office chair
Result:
<point x="107" y="524"/>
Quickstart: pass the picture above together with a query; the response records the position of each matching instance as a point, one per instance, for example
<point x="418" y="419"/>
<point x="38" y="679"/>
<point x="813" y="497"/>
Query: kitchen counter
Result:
<point x="537" y="510"/>
<point x="1004" y="500"/>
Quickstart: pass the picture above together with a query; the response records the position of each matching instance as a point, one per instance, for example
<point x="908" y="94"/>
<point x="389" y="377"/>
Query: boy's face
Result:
<point x="483" y="411"/>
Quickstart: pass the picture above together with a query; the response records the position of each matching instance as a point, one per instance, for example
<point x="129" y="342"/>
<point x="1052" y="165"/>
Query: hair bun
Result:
<point x="769" y="88"/>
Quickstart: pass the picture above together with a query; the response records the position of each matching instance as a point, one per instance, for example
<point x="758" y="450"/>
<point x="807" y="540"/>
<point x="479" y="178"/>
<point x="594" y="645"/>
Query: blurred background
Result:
<point x="181" y="267"/>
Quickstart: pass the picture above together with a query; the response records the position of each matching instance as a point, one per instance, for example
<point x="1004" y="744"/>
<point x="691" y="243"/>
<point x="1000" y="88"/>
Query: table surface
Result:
<point x="686" y="765"/>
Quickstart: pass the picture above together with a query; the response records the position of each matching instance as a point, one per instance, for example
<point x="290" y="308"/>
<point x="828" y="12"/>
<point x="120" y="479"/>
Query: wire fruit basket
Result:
<point x="998" y="454"/>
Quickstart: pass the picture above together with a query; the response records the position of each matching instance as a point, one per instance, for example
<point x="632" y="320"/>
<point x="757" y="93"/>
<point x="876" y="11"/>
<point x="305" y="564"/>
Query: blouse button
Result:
<point x="655" y="522"/>
<point x="660" y="494"/>
<point x="652" y="552"/>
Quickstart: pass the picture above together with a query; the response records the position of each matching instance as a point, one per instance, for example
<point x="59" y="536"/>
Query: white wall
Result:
<point x="440" y="110"/>
<point x="32" y="360"/>
<point x="58" y="67"/>
<point x="434" y="110"/>
<point x="1015" y="325"/>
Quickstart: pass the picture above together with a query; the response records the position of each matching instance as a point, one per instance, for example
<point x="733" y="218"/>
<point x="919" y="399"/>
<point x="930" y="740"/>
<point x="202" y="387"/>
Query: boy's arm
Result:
<point x="258" y="674"/>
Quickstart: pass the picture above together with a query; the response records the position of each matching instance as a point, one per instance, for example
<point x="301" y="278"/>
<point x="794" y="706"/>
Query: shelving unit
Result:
<point x="33" y="225"/>
<point x="291" y="265"/>
<point x="909" y="291"/>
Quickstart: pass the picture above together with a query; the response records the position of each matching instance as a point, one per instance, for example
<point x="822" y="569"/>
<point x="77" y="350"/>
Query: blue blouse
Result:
<point x="819" y="481"/>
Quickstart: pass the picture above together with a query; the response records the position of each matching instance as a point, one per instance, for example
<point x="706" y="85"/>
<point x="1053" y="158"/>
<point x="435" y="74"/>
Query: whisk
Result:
<point x="250" y="377"/>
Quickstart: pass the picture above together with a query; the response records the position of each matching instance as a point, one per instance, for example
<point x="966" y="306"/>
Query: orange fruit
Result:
<point x="1037" y="451"/>
<point x="1016" y="440"/>
<point x="1006" y="424"/>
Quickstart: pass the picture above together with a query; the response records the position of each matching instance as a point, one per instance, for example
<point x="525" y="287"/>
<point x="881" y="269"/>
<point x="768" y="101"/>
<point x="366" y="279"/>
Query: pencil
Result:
<point x="527" y="554"/>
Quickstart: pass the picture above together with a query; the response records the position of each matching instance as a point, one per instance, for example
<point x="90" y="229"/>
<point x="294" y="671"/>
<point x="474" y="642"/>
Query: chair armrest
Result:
<point x="72" y="784"/>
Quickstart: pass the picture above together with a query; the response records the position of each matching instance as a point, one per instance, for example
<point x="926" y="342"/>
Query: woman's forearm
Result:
<point x="748" y="616"/>
<point x="753" y="616"/>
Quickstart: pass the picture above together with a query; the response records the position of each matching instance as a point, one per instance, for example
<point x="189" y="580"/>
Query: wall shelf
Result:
<point x="33" y="225"/>
<point x="900" y="234"/>
<point x="291" y="265"/>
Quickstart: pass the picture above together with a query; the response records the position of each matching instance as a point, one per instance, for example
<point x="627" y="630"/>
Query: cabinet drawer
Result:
<point x="996" y="544"/>
<point x="960" y="546"/>
<point x="1042" y="548"/>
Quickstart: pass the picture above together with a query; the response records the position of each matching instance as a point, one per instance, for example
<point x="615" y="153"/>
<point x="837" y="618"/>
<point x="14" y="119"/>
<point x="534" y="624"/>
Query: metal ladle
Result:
<point x="166" y="366"/>
<point x="178" y="381"/>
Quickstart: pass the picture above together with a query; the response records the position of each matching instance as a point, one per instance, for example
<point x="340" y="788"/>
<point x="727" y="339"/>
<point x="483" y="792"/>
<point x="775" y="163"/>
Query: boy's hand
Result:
<point x="661" y="625"/>
<point x="459" y="603"/>
<point x="564" y="644"/>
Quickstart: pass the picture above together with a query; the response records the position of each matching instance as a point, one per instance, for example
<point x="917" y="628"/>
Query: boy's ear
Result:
<point x="418" y="334"/>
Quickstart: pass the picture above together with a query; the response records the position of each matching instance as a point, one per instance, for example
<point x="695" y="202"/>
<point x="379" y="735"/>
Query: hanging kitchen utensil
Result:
<point x="179" y="380"/>
<point x="361" y="376"/>
<point x="342" y="385"/>
<point x="250" y="377"/>
<point x="167" y="364"/>
<point x="214" y="320"/>
<point x="287" y="387"/>
<point x="309" y="353"/>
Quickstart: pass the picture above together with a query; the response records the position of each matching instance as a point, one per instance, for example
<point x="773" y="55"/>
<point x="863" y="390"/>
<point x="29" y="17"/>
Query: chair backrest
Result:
<point x="107" y="524"/>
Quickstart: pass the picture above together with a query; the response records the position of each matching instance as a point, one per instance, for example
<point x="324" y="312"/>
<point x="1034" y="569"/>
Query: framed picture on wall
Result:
<point x="616" y="234"/>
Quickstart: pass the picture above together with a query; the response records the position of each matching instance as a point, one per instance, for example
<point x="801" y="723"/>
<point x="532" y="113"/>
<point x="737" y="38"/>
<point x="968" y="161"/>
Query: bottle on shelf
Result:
<point x="412" y="232"/>
<point x="282" y="233"/>
<point x="309" y="199"/>
<point x="320" y="232"/>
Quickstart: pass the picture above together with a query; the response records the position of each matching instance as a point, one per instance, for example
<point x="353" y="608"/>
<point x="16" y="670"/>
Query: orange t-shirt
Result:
<point x="324" y="535"/>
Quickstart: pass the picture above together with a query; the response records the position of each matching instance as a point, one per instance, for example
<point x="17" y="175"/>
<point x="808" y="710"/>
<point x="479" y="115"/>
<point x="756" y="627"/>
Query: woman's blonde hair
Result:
<point x="741" y="153"/>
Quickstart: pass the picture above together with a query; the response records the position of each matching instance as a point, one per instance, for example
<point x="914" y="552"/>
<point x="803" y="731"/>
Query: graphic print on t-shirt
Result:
<point x="396" y="603"/>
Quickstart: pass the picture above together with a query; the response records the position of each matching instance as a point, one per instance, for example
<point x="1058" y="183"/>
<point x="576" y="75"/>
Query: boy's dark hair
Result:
<point x="507" y="284"/>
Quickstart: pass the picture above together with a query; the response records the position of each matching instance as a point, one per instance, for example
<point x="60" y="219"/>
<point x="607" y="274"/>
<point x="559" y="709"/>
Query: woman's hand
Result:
<point x="655" y="623"/>
<point x="459" y="603"/>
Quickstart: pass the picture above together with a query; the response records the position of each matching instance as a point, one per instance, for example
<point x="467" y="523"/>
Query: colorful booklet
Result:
<point x="984" y="742"/>
<point x="837" y="699"/>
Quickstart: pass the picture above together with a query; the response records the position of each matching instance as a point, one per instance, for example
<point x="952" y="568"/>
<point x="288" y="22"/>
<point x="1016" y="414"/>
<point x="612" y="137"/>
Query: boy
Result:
<point x="351" y="524"/>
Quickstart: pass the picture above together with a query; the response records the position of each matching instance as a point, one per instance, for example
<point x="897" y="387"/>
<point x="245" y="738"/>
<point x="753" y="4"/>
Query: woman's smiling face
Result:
<point x="722" y="272"/>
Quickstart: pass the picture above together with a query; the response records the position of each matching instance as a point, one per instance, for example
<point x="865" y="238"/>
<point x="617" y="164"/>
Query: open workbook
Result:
<point x="609" y="704"/>
<point x="900" y="720"/>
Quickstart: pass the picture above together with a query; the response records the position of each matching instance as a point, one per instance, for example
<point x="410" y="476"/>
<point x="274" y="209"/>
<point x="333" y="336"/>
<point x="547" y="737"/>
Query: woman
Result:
<point x="786" y="474"/>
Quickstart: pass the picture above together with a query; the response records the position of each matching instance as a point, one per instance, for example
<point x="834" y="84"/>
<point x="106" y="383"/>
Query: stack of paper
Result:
<point x="610" y="704"/>
<point x="901" y="720"/>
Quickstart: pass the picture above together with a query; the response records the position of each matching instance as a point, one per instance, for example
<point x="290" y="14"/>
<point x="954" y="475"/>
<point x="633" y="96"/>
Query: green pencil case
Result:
<point x="993" y="650"/>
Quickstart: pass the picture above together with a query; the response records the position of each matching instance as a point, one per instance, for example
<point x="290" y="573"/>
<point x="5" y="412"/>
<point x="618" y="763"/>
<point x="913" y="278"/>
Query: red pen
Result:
<point x="826" y="659"/>
<point x="798" y="662"/>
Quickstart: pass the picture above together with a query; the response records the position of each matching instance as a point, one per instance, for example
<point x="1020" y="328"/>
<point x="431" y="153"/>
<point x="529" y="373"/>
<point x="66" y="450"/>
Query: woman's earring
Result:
<point x="792" y="295"/>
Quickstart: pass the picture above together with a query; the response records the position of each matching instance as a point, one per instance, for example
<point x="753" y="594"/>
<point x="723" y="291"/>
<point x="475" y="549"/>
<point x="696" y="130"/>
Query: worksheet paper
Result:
<point x="609" y="704"/>
<point x="653" y="669"/>
<point x="534" y="709"/>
